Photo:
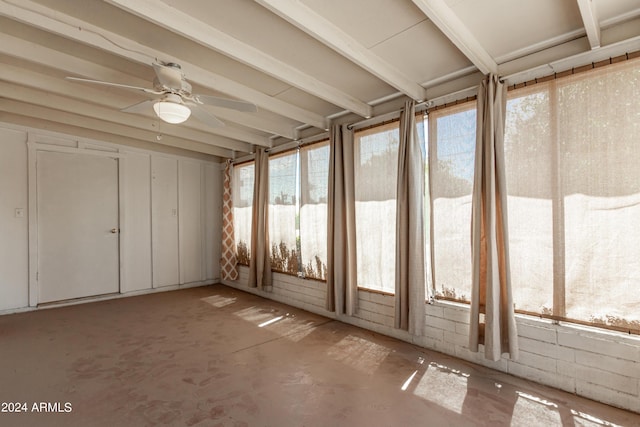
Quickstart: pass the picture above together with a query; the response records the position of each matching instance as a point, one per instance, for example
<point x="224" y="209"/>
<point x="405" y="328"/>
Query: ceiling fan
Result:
<point x="172" y="100"/>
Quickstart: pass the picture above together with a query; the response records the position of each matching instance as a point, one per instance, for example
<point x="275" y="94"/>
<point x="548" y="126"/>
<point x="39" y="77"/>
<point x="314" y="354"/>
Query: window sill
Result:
<point x="376" y="291"/>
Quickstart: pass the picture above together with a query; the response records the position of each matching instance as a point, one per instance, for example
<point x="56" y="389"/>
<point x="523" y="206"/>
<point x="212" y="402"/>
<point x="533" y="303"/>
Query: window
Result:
<point x="376" y="171"/>
<point x="242" y="194"/>
<point x="283" y="212"/>
<point x="573" y="180"/>
<point x="452" y="139"/>
<point x="298" y="182"/>
<point x="314" y="174"/>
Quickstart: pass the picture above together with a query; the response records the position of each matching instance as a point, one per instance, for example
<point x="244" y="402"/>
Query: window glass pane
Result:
<point x="242" y="195"/>
<point x="573" y="181"/>
<point x="453" y="138"/>
<point x="314" y="174"/>
<point x="599" y="117"/>
<point x="376" y="171"/>
<point x="282" y="212"/>
<point x="529" y="164"/>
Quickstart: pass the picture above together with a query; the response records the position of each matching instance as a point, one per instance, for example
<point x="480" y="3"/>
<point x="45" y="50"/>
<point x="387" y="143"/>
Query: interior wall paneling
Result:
<point x="164" y="221"/>
<point x="136" y="222"/>
<point x="190" y="221"/>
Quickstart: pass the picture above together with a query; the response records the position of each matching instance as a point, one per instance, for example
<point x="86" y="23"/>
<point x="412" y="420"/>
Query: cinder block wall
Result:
<point x="597" y="364"/>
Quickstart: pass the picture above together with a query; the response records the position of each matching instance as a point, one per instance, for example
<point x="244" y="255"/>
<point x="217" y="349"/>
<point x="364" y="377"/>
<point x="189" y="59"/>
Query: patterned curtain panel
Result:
<point x="228" y="269"/>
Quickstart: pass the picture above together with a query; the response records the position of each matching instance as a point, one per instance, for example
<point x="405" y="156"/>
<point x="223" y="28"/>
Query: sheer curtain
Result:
<point x="376" y="172"/>
<point x="452" y="142"/>
<point x="282" y="212"/>
<point x="260" y="263"/>
<point x="228" y="267"/>
<point x="573" y="179"/>
<point x="242" y="195"/>
<point x="314" y="177"/>
<point x="492" y="314"/>
<point x="342" y="292"/>
<point x="410" y="254"/>
<point x="599" y="168"/>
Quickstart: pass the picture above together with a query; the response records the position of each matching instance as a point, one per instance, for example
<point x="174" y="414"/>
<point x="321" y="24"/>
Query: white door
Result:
<point x="78" y="253"/>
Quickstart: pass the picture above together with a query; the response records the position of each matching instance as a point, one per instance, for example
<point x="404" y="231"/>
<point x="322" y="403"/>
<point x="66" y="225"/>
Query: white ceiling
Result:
<point x="304" y="63"/>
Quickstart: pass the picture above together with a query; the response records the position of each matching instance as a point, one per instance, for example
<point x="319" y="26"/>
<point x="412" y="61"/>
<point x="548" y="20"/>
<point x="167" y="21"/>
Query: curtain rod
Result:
<point x="386" y="118"/>
<point x="457" y="97"/>
<point x="577" y="70"/>
<point x="292" y="145"/>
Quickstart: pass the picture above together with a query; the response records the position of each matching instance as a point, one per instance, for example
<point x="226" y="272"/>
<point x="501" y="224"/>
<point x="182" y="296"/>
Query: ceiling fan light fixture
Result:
<point x="171" y="112"/>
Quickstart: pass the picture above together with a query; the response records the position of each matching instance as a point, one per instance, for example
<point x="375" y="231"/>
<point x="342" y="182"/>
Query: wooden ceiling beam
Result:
<point x="13" y="107"/>
<point x="189" y="27"/>
<point x="67" y="26"/>
<point x="47" y="99"/>
<point x="314" y="24"/>
<point x="451" y="26"/>
<point x="590" y="21"/>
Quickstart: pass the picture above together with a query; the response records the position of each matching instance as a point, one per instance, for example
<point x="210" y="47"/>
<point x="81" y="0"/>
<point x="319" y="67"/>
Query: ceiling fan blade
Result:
<point x="204" y="116"/>
<point x="243" y="106"/>
<point x="168" y="75"/>
<point x="98" y="82"/>
<point x="140" y="107"/>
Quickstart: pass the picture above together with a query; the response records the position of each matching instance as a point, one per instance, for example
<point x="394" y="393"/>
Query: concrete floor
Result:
<point x="215" y="356"/>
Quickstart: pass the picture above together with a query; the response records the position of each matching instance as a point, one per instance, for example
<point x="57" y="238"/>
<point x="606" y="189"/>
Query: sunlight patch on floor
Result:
<point x="255" y="315"/>
<point x="359" y="353"/>
<point x="405" y="386"/>
<point x="269" y="322"/>
<point x="443" y="386"/>
<point x="299" y="331"/>
<point x="219" y="301"/>
<point x="582" y="419"/>
<point x="533" y="410"/>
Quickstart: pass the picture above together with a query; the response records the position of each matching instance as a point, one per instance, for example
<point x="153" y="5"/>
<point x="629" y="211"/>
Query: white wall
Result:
<point x="156" y="191"/>
<point x="597" y="364"/>
<point x="14" y="259"/>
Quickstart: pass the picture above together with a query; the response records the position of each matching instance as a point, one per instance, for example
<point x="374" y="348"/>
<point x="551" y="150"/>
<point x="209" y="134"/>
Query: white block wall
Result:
<point x="597" y="364"/>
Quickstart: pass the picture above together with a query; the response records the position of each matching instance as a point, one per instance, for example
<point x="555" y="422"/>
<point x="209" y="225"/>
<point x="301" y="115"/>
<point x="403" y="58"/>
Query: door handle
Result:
<point x="115" y="230"/>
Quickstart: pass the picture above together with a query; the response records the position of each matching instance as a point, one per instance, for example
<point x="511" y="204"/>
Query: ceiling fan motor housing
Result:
<point x="184" y="89"/>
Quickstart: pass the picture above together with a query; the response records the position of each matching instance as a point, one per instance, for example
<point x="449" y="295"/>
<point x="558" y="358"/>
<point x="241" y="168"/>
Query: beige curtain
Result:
<point x="410" y="255"/>
<point x="492" y="313"/>
<point x="260" y="263"/>
<point x="342" y="290"/>
<point x="228" y="267"/>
